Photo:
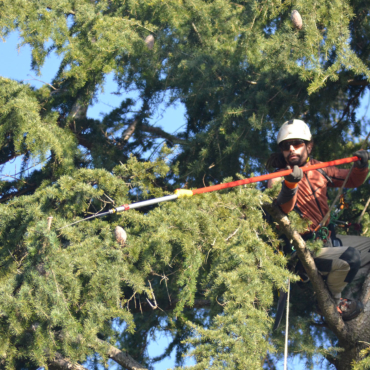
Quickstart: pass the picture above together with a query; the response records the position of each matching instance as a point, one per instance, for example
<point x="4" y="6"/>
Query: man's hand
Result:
<point x="364" y="157"/>
<point x="288" y="193"/>
<point x="296" y="176"/>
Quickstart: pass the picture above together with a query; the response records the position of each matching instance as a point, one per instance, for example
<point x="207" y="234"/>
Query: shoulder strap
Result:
<point x="328" y="178"/>
<point x="325" y="175"/>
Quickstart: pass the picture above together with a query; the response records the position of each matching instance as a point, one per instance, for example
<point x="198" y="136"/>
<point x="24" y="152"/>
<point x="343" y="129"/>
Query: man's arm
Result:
<point x="358" y="174"/>
<point x="287" y="197"/>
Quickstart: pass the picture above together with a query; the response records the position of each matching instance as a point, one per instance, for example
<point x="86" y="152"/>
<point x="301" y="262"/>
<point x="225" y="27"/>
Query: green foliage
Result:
<point x="23" y="126"/>
<point x="240" y="68"/>
<point x="210" y="263"/>
<point x="365" y="362"/>
<point x="64" y="286"/>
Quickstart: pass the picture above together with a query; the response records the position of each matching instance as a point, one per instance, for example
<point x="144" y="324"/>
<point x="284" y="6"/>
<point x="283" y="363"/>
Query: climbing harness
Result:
<point x="323" y="233"/>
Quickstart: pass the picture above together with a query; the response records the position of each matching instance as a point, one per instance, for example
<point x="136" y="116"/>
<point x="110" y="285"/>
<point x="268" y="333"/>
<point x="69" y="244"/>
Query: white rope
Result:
<point x="286" y="328"/>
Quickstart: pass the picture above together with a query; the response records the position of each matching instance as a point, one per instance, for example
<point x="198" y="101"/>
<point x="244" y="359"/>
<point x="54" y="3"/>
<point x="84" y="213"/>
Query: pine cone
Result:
<point x="149" y="41"/>
<point x="297" y="19"/>
<point x="121" y="235"/>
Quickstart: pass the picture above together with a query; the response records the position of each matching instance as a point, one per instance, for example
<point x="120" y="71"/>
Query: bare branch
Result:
<point x="129" y="131"/>
<point x="145" y="307"/>
<point x="61" y="363"/>
<point x="231" y="235"/>
<point x="363" y="211"/>
<point x="124" y="359"/>
<point x="325" y="300"/>
<point x="5" y="198"/>
<point x="69" y="12"/>
<point x="332" y="360"/>
<point x="36" y="79"/>
<point x="196" y="31"/>
<point x="78" y="110"/>
<point x="347" y="108"/>
<point x="126" y="135"/>
<point x="365" y="297"/>
<point x="83" y="141"/>
<point x="158" y="132"/>
<point x="353" y="82"/>
<point x="12" y="156"/>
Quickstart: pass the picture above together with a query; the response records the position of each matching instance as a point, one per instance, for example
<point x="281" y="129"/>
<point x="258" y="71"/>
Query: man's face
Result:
<point x="295" y="151"/>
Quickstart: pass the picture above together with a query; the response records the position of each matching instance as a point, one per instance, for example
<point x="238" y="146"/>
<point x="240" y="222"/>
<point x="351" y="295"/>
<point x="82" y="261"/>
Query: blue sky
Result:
<point x="15" y="64"/>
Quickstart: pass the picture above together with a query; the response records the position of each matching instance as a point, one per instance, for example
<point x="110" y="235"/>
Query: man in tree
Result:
<point x="307" y="194"/>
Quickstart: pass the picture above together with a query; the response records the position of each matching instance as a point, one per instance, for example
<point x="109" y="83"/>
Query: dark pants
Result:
<point x="344" y="264"/>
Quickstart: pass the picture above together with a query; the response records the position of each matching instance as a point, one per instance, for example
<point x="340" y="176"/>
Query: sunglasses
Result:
<point x="285" y="145"/>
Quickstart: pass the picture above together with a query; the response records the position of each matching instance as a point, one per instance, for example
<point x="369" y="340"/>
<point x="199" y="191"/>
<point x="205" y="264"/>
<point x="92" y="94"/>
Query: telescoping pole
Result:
<point x="273" y="175"/>
<point x="182" y="193"/>
<point x="144" y="203"/>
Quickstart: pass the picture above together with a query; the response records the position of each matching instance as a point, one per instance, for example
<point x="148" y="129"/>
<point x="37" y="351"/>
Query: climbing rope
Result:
<point x="287" y="329"/>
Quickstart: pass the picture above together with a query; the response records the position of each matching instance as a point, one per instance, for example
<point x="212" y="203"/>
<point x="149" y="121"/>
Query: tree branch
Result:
<point x="353" y="82"/>
<point x="145" y="307"/>
<point x="124" y="359"/>
<point x="363" y="211"/>
<point x="17" y="193"/>
<point x="158" y="132"/>
<point x="325" y="300"/>
<point x="78" y="110"/>
<point x="332" y="360"/>
<point x="61" y="363"/>
<point x="69" y="12"/>
<point x="346" y="109"/>
<point x="83" y="141"/>
<point x="129" y="131"/>
<point x="363" y="321"/>
<point x="365" y="296"/>
<point x="3" y="161"/>
<point x="198" y="34"/>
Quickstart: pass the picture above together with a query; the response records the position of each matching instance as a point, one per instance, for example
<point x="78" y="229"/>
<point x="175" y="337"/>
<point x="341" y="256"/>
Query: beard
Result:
<point x="296" y="161"/>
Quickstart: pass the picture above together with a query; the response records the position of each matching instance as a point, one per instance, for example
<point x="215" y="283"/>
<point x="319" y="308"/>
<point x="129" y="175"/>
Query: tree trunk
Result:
<point x="348" y="357"/>
<point x="352" y="335"/>
<point x="358" y="333"/>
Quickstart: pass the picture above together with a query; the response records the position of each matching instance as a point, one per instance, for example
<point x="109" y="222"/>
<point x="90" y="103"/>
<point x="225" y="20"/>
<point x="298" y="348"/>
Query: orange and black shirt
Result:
<point x="311" y="199"/>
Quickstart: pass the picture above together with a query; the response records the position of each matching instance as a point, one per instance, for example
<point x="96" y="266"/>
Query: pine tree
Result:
<point x="204" y="269"/>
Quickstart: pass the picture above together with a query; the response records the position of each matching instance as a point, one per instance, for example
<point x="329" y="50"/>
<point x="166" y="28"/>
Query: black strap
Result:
<point x="325" y="175"/>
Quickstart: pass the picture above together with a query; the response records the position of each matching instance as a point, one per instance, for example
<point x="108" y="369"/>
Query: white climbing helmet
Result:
<point x="294" y="129"/>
